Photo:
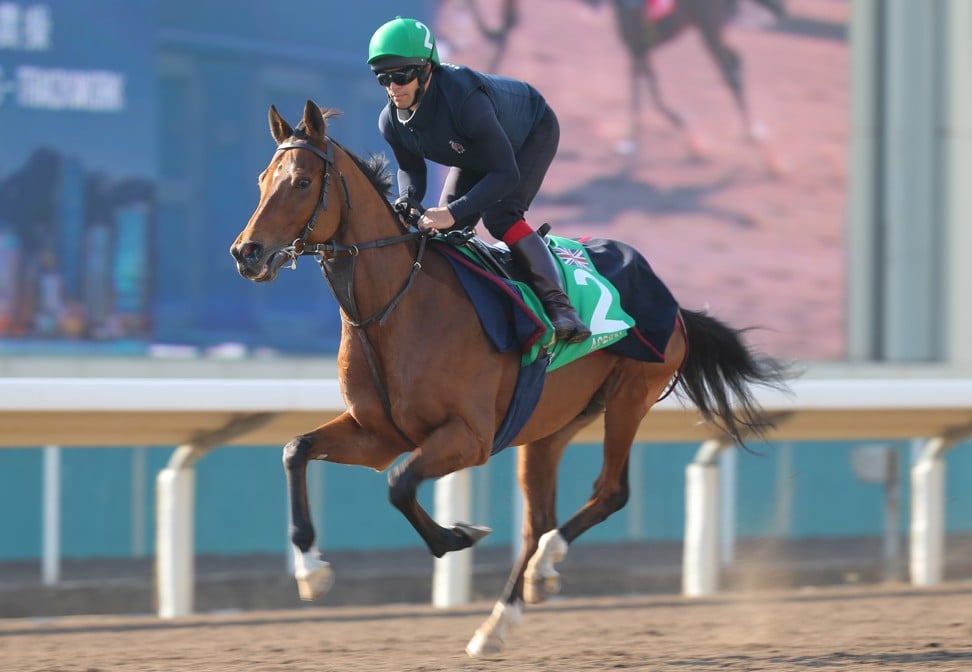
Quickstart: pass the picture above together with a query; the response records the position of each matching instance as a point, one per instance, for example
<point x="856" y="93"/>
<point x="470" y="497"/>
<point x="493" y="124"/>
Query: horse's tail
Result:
<point x="718" y="375"/>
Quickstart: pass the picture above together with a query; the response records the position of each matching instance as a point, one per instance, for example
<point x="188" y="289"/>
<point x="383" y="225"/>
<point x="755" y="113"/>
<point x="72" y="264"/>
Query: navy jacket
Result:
<point x="466" y="119"/>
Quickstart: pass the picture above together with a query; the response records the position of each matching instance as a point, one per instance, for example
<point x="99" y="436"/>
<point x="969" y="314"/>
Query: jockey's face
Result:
<point x="401" y="85"/>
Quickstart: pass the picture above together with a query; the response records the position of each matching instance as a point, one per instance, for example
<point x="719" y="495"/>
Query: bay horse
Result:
<point x="500" y="35"/>
<point x="640" y="34"/>
<point x="419" y="376"/>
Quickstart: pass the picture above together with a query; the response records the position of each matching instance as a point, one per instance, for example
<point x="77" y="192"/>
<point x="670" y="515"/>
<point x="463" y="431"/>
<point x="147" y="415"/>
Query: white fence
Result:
<point x="198" y="414"/>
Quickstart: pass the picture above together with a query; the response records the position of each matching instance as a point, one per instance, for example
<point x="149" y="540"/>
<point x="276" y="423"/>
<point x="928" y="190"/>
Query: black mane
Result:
<point x="376" y="167"/>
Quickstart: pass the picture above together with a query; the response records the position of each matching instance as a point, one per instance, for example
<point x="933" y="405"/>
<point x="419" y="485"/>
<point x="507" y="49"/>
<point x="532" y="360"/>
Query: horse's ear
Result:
<point x="314" y="120"/>
<point x="279" y="128"/>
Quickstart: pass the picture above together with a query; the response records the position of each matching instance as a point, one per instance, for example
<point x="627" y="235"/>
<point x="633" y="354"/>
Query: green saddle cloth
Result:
<point x="595" y="298"/>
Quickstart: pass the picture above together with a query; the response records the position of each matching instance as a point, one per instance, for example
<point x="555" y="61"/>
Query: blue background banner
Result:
<point x="77" y="168"/>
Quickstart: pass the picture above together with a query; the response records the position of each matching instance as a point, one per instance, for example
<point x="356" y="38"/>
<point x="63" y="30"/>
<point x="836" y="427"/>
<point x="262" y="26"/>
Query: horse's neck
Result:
<point x="379" y="273"/>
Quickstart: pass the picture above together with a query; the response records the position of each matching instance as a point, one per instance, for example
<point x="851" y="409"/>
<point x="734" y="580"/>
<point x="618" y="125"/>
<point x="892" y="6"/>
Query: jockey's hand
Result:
<point x="439" y="219"/>
<point x="408" y="209"/>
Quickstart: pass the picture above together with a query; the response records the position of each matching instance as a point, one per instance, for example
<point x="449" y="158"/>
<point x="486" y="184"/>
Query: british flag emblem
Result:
<point x="571" y="257"/>
<point x="456" y="147"/>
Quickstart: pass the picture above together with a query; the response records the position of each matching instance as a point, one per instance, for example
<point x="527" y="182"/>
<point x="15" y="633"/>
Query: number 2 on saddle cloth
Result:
<point x="629" y="309"/>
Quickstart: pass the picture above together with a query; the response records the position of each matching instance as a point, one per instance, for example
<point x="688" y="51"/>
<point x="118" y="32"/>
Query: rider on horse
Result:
<point x="497" y="135"/>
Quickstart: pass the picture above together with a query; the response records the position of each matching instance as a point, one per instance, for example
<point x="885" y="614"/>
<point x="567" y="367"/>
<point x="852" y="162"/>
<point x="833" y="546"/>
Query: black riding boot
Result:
<point x="533" y="256"/>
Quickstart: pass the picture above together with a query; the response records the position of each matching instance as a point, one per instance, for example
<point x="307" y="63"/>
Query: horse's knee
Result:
<point x="295" y="453"/>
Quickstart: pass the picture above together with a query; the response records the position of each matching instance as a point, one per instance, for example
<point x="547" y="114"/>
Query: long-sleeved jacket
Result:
<point x="470" y="120"/>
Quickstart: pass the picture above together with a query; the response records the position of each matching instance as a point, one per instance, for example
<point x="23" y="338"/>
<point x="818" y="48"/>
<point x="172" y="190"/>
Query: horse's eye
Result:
<point x="303" y="183"/>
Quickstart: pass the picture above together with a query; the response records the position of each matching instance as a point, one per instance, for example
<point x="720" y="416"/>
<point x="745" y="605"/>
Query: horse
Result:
<point x="499" y="36"/>
<point x="419" y="377"/>
<point x="641" y="34"/>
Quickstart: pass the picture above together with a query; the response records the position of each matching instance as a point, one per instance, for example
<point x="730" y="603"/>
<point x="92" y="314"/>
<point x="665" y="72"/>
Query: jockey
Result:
<point x="498" y="137"/>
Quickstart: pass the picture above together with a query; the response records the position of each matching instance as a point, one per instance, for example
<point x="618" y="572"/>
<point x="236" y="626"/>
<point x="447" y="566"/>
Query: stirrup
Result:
<point x="572" y="335"/>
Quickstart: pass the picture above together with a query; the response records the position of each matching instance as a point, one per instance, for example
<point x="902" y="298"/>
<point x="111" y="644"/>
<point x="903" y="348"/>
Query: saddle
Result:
<point x="496" y="257"/>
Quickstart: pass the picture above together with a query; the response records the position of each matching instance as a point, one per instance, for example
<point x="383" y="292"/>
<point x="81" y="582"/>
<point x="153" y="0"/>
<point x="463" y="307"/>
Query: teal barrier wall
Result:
<point x="789" y="490"/>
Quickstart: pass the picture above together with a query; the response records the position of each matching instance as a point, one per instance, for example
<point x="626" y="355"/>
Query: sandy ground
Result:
<point x="860" y="628"/>
<point x="753" y="231"/>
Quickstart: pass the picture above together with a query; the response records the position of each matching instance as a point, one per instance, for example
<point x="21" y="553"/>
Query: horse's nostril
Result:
<point x="251" y="252"/>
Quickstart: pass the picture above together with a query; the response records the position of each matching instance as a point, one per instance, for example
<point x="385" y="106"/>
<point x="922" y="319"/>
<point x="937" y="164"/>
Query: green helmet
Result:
<point x="402" y="42"/>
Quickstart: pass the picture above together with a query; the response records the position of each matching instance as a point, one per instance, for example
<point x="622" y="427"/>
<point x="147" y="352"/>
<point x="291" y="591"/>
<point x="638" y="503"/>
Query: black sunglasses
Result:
<point x="401" y="77"/>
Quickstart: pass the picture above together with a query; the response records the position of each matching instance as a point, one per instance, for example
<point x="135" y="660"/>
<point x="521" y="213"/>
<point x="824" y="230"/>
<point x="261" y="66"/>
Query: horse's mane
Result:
<point x="375" y="167"/>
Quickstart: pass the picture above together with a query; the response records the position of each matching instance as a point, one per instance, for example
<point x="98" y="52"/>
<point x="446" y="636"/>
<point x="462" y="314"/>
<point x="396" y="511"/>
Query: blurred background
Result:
<point x="820" y="201"/>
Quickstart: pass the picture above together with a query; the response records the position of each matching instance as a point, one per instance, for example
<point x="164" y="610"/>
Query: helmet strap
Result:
<point x="423" y="79"/>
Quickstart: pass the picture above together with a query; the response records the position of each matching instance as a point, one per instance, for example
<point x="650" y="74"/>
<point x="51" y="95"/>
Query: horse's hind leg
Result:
<point x="537" y="473"/>
<point x="731" y="67"/>
<point x="631" y="392"/>
<point x="694" y="144"/>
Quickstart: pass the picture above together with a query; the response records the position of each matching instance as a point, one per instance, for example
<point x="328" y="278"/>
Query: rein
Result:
<point x="340" y="276"/>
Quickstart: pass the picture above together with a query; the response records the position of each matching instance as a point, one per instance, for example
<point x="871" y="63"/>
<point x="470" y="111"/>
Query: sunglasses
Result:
<point x="401" y="77"/>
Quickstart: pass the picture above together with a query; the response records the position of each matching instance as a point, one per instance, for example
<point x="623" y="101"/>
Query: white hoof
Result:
<point x="314" y="576"/>
<point x="491" y="635"/>
<point x="541" y="581"/>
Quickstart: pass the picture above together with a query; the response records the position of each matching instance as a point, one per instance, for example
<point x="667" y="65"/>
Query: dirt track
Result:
<point x="863" y="628"/>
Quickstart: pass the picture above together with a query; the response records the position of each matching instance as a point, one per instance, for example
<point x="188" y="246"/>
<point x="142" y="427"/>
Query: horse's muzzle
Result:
<point x="253" y="262"/>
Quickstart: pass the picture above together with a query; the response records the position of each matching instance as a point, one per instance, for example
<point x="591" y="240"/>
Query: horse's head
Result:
<point x="293" y="210"/>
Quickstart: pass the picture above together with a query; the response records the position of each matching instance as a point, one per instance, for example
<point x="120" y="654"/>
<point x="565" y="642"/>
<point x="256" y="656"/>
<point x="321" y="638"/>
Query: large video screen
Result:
<point x="77" y="157"/>
<point x="714" y="140"/>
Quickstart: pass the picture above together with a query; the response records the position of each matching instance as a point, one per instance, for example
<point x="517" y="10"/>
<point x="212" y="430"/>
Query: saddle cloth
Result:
<point x="615" y="291"/>
<point x="611" y="285"/>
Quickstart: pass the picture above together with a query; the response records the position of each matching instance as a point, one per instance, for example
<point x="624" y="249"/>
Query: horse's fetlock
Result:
<point x="302" y="536"/>
<point x="617" y="500"/>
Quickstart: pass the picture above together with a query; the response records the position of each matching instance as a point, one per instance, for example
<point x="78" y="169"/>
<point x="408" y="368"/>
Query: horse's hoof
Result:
<point x="541" y="588"/>
<point x="473" y="532"/>
<point x="540" y="580"/>
<point x="491" y="635"/>
<point x="315" y="582"/>
<point x="483" y="645"/>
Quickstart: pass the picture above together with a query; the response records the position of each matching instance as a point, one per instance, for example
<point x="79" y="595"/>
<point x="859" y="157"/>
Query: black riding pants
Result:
<point x="533" y="160"/>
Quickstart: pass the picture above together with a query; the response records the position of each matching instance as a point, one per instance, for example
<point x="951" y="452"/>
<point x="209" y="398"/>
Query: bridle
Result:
<point x="340" y="276"/>
<point x="330" y="250"/>
<point x="299" y="246"/>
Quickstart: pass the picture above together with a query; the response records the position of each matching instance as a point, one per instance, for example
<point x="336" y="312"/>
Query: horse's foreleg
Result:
<point x="314" y="576"/>
<point x="448" y="449"/>
<point x="342" y="441"/>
